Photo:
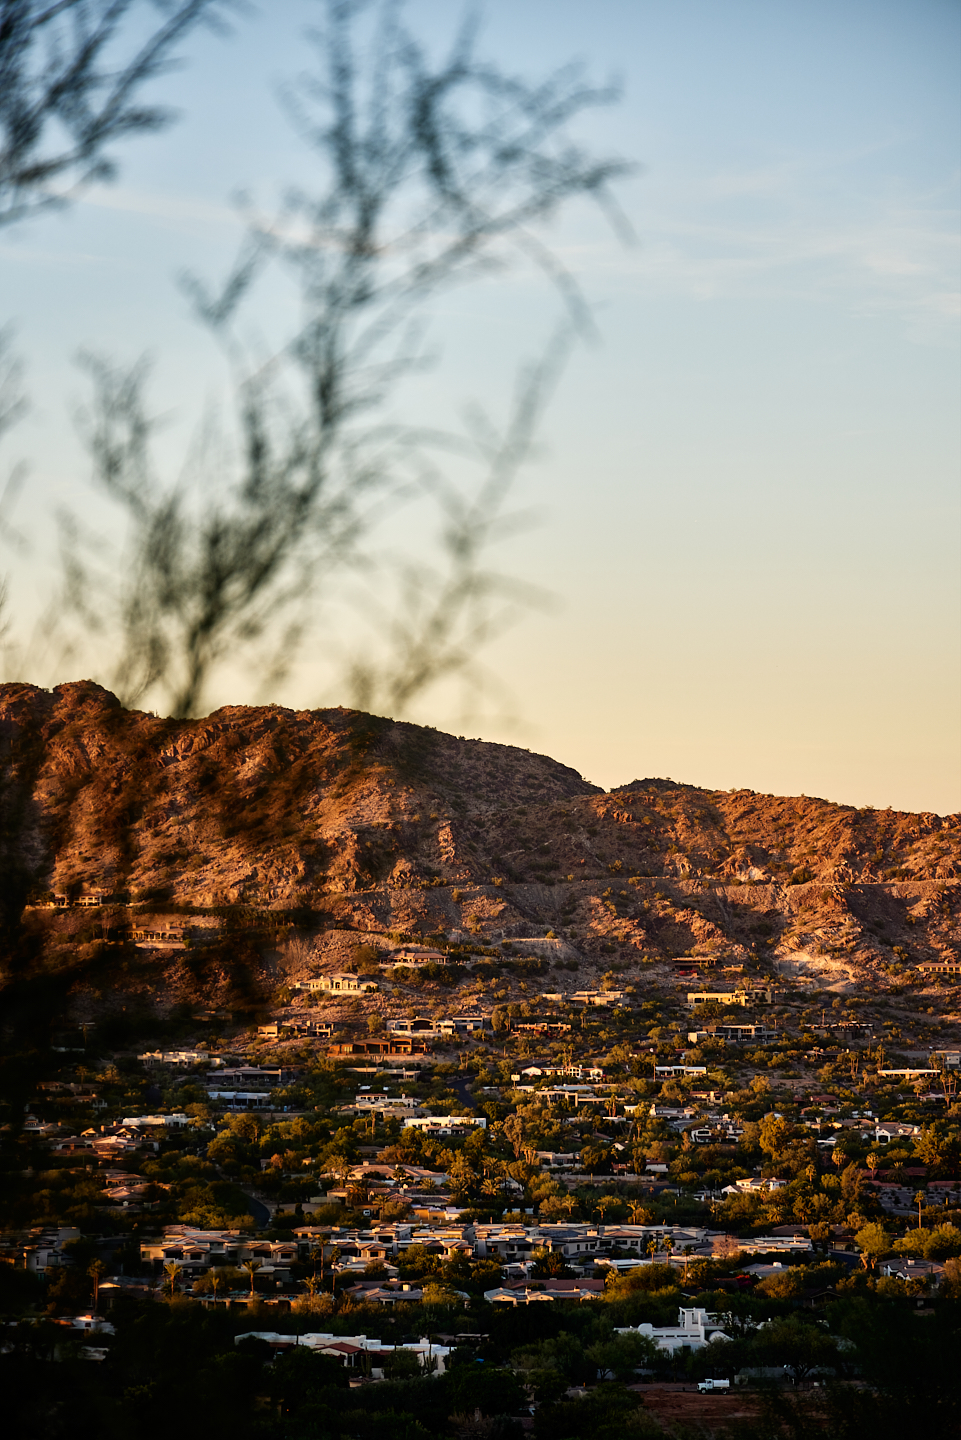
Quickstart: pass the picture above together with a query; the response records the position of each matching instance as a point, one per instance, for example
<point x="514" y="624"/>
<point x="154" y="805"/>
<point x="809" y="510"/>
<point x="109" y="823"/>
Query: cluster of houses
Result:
<point x="183" y="1255"/>
<point x="348" y="1252"/>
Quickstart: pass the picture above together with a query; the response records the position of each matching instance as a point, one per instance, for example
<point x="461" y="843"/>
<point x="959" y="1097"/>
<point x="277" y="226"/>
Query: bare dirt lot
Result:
<point x="683" y="1408"/>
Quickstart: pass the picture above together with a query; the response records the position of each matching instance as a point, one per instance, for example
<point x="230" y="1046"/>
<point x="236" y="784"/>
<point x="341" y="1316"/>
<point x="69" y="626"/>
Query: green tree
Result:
<point x="403" y="1365"/>
<point x="800" y="1345"/>
<point x="932" y="1148"/>
<point x="873" y="1241"/>
<point x="619" y="1357"/>
<point x="851" y="1183"/>
<point x="774" y="1133"/>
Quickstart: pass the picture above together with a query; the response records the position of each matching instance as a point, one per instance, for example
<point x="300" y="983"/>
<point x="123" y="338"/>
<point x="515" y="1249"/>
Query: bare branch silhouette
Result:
<point x="429" y="177"/>
<point x="66" y="94"/>
<point x="443" y="617"/>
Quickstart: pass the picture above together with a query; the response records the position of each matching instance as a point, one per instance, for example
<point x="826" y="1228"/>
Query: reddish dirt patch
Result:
<point x="708" y="1415"/>
<point x="684" y="1405"/>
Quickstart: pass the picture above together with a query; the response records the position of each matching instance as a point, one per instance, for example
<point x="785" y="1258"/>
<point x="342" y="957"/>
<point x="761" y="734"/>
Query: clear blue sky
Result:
<point x="747" y="490"/>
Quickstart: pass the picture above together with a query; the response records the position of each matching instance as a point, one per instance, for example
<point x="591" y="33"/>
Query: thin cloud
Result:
<point x="159" y="205"/>
<point x="898" y="255"/>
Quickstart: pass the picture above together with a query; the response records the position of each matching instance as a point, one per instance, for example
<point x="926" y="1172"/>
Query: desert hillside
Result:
<point x="255" y="823"/>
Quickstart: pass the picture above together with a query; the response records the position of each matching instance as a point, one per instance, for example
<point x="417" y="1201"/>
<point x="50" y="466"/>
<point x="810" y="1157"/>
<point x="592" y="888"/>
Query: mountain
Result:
<point x="345" y="825"/>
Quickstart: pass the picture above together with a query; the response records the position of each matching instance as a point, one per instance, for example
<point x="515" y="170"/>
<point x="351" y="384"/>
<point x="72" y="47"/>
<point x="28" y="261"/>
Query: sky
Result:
<point x="745" y="496"/>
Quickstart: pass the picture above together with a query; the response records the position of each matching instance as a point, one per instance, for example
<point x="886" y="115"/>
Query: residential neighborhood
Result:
<point x="382" y="1184"/>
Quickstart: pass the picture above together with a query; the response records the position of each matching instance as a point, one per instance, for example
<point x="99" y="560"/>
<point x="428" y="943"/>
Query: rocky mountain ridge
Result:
<point x="345" y="823"/>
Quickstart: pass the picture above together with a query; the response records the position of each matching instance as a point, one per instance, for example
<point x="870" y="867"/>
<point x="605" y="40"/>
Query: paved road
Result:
<point x="259" y="1211"/>
<point x="461" y="1087"/>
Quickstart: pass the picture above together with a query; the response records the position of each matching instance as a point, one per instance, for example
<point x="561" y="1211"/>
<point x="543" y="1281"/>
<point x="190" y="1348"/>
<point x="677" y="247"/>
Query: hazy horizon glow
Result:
<point x="747" y="492"/>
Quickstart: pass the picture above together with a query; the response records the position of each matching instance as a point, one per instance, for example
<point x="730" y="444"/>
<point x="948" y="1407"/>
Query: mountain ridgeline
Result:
<point x="332" y="822"/>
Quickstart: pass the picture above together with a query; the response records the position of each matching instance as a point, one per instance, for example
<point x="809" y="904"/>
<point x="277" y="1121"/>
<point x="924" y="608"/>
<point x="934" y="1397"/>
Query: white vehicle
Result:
<point x="704" y="1386"/>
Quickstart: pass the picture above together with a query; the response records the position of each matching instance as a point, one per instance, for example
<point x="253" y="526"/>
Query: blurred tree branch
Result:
<point x="430" y="176"/>
<point x="442" y="618"/>
<point x="66" y="94"/>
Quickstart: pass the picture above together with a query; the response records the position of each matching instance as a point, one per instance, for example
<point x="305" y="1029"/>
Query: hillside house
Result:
<point x="396" y="1045"/>
<point x="421" y="1025"/>
<point x="604" y="999"/>
<point x="414" y="958"/>
<point x="370" y="1100"/>
<point x="568" y="1072"/>
<point x="717" y="997"/>
<point x="174" y="938"/>
<point x="735" y="1034"/>
<point x="242" y="1099"/>
<point x="254" y="1075"/>
<point x="340" y="983"/>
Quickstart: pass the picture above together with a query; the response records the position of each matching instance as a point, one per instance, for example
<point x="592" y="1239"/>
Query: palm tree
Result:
<point x="317" y="1260"/>
<point x="172" y="1269"/>
<point x="95" y="1270"/>
<point x="216" y="1282"/>
<point x="919" y="1200"/>
<point x="251" y="1266"/>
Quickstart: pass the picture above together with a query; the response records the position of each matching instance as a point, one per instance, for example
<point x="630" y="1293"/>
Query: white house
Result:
<point x="354" y="1350"/>
<point x="170" y="1122"/>
<point x="695" y="1329"/>
<point x="892" y="1130"/>
<point x="352" y="984"/>
<point x="444" y="1124"/>
<point x="753" y="1185"/>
